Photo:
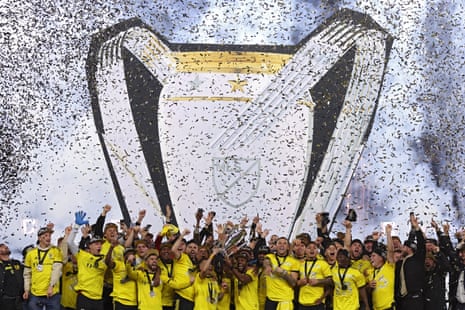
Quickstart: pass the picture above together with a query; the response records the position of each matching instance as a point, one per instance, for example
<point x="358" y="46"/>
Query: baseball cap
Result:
<point x="357" y="241"/>
<point x="381" y="252"/>
<point x="44" y="230"/>
<point x="129" y="250"/>
<point x="169" y="230"/>
<point x="264" y="249"/>
<point x="411" y="244"/>
<point x="152" y="252"/>
<point x="95" y="239"/>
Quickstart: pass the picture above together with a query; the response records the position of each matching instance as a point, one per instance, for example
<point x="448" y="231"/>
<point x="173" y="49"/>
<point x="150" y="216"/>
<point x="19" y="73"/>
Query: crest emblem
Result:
<point x="236" y="180"/>
<point x="274" y="131"/>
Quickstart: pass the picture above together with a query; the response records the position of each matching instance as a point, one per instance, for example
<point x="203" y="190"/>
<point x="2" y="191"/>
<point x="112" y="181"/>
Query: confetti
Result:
<point x="51" y="157"/>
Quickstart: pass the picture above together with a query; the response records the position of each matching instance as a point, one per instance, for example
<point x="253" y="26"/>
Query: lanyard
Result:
<point x="307" y="273"/>
<point x="41" y="259"/>
<point x="375" y="272"/>
<point x="279" y="262"/>
<point x="170" y="270"/>
<point x="150" y="280"/>
<point x="99" y="258"/>
<point x="210" y="293"/>
<point x="341" y="278"/>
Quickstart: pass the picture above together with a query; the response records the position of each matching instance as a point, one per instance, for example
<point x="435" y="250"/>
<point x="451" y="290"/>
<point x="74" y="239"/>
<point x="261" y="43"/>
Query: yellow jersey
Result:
<point x="317" y="269"/>
<point x="41" y="263"/>
<point x="347" y="281"/>
<point x="277" y="288"/>
<point x="91" y="270"/>
<point x="383" y="294"/>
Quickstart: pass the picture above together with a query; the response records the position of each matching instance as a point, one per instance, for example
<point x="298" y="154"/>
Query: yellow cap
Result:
<point x="169" y="230"/>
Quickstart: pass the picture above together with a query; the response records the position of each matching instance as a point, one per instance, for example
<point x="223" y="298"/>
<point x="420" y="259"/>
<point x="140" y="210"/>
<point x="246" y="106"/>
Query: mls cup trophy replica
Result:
<point x="240" y="129"/>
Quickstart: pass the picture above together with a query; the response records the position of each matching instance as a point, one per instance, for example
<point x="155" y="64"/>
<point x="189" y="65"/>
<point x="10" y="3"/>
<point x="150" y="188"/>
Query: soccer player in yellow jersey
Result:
<point x="92" y="265"/>
<point x="314" y="278"/>
<point x="183" y="274"/>
<point x="207" y="291"/>
<point x="262" y="252"/>
<point x="355" y="248"/>
<point x="69" y="273"/>
<point x="91" y="269"/>
<point x="298" y="248"/>
<point x="149" y="281"/>
<point x="166" y="265"/>
<point x="124" y="292"/>
<point x="141" y="248"/>
<point x="281" y="271"/>
<point x="110" y="234"/>
<point x="380" y="277"/>
<point x="349" y="284"/>
<point x="68" y="281"/>
<point x="42" y="271"/>
<point x="245" y="283"/>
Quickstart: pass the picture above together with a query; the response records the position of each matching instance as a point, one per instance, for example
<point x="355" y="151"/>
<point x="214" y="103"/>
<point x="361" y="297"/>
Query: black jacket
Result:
<point x="456" y="267"/>
<point x="414" y="267"/>
<point x="11" y="278"/>
<point x="435" y="284"/>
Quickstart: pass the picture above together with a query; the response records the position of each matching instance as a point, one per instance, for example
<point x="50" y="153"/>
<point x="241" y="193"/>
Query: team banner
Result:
<point x="274" y="131"/>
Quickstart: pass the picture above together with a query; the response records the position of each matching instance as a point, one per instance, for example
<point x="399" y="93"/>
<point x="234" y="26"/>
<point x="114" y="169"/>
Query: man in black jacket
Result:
<point x="11" y="280"/>
<point x="457" y="268"/>
<point x="410" y="271"/>
<point x="437" y="266"/>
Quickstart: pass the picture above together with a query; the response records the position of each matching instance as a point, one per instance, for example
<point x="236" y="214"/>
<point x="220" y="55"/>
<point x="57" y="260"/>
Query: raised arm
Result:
<point x="348" y="235"/>
<point x="79" y="219"/>
<point x="206" y="265"/>
<point x="97" y="228"/>
<point x="390" y="243"/>
<point x="421" y="242"/>
<point x="175" y="247"/>
<point x="64" y="243"/>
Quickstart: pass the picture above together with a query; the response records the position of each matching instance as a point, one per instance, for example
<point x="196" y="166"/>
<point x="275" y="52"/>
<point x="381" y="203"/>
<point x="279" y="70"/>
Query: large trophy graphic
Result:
<point x="239" y="129"/>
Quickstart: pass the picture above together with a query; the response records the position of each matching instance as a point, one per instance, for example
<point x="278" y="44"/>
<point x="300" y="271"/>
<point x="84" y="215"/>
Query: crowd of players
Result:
<point x="232" y="266"/>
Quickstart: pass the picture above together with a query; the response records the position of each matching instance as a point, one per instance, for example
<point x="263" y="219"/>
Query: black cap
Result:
<point x="44" y="230"/>
<point x="381" y="252"/>
<point x="95" y="239"/>
<point x="129" y="250"/>
<point x="243" y="253"/>
<point x="411" y="244"/>
<point x="264" y="249"/>
<point x="369" y="238"/>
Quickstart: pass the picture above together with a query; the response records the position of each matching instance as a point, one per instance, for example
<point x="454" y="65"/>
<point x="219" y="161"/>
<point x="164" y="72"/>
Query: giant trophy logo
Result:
<point x="274" y="131"/>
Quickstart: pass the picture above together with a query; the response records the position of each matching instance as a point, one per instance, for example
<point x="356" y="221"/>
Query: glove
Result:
<point x="79" y="218"/>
